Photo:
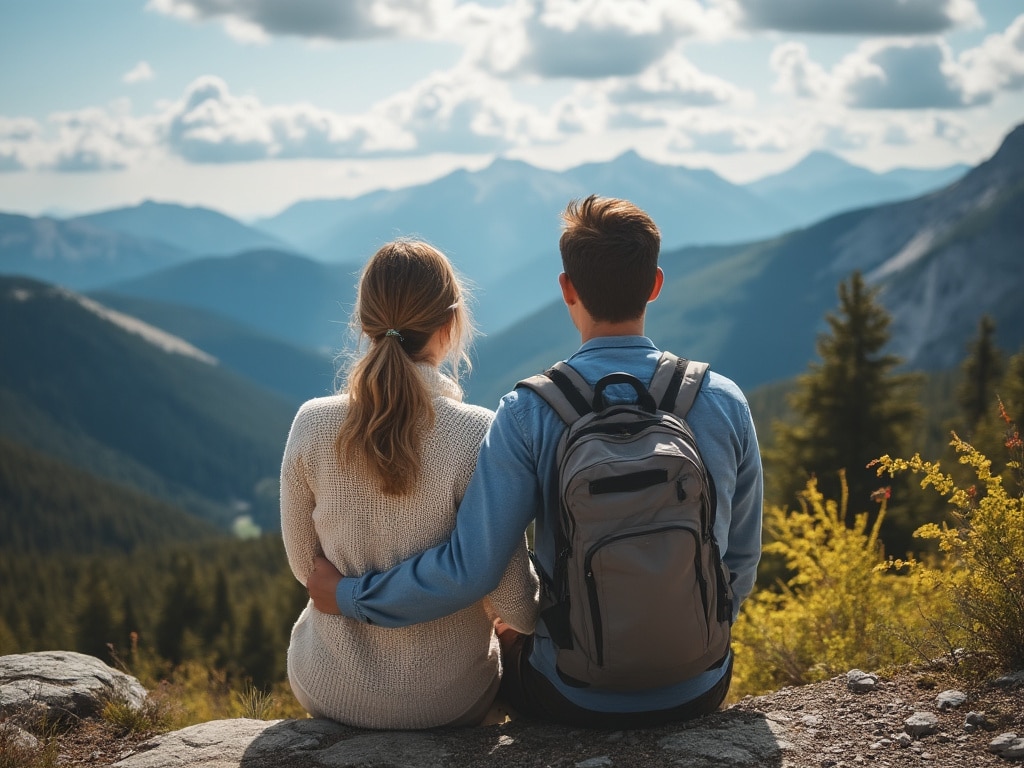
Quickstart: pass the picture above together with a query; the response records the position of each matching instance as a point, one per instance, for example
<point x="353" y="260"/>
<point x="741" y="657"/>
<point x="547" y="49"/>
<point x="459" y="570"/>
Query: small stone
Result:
<point x="976" y="720"/>
<point x="17" y="738"/>
<point x="1010" y="681"/>
<point x="1002" y="742"/>
<point x="811" y="721"/>
<point x="860" y="682"/>
<point x="1015" y="751"/>
<point x="595" y="762"/>
<point x="904" y="740"/>
<point x="921" y="724"/>
<point x="927" y="756"/>
<point x="950" y="700"/>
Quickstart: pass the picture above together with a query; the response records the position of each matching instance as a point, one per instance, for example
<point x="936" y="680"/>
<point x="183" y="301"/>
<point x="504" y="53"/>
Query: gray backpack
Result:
<point x="639" y="597"/>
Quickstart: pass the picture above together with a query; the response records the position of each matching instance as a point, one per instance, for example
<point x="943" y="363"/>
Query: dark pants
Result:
<point x="531" y="694"/>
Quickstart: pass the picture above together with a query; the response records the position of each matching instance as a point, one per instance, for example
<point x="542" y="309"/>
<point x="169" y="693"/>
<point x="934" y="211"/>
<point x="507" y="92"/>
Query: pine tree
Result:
<point x="258" y="652"/>
<point x="850" y="408"/>
<point x="181" y="610"/>
<point x="220" y="629"/>
<point x="95" y="627"/>
<point x="1011" y="388"/>
<point x="980" y="373"/>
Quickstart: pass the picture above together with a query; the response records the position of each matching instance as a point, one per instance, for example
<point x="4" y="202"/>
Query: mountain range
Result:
<point x="754" y="310"/>
<point x="187" y="228"/>
<point x="168" y="358"/>
<point x="76" y="253"/>
<point x="500" y="225"/>
<point x="823" y="184"/>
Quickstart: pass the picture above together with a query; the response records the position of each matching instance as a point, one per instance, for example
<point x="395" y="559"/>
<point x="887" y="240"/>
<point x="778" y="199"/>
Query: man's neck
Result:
<point x="595" y="329"/>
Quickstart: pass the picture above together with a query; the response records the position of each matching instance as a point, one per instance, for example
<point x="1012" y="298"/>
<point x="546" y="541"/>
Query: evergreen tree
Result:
<point x="1011" y="388"/>
<point x="220" y="629"/>
<point x="181" y="610"/>
<point x="980" y="373"/>
<point x="95" y="627"/>
<point x="850" y="407"/>
<point x="258" y="652"/>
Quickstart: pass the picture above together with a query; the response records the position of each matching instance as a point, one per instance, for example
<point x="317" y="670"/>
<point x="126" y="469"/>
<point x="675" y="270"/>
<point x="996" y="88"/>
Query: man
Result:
<point x="610" y="256"/>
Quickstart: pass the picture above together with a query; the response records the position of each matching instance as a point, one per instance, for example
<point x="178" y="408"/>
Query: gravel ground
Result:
<point x="824" y="725"/>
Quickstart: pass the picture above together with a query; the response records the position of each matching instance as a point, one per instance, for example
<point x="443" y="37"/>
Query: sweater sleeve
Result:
<point x="515" y="598"/>
<point x="297" y="503"/>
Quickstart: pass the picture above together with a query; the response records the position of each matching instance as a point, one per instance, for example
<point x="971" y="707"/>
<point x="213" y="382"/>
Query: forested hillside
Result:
<point x="135" y="405"/>
<point x="48" y="507"/>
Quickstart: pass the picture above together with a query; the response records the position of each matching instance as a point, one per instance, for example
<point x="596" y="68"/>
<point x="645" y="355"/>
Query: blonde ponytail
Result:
<point x="407" y="292"/>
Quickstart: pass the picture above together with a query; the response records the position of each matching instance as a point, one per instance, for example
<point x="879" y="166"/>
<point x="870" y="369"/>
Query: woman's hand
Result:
<point x="322" y="586"/>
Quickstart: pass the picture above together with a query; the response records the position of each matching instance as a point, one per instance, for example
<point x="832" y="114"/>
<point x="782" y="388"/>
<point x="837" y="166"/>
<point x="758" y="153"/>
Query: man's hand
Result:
<point x="322" y="585"/>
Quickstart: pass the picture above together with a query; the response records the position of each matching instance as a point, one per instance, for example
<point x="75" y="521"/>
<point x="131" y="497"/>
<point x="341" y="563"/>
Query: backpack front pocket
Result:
<point x="640" y="632"/>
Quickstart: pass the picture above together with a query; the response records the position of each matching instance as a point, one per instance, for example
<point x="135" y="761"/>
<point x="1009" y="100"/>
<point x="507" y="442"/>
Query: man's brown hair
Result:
<point x="610" y="253"/>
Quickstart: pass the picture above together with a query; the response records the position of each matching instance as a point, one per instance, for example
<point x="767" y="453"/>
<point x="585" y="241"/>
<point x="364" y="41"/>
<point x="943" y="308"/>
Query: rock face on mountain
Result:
<point x="860" y="718"/>
<point x="943" y="259"/>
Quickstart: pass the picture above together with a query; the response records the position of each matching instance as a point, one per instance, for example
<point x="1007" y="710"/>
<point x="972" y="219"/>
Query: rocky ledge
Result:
<point x="914" y="718"/>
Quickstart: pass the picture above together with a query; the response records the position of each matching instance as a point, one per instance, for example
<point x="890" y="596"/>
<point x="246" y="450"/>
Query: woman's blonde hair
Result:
<point x="408" y="290"/>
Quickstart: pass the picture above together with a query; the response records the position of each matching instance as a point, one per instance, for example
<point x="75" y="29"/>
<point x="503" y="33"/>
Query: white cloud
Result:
<point x="904" y="75"/>
<point x="461" y="111"/>
<point x="797" y="73"/>
<point x="675" y="82"/>
<point x="17" y="137"/>
<point x="708" y="132"/>
<point x="998" y="63"/>
<point x="96" y="139"/>
<point x="257" y="20"/>
<point x="139" y="73"/>
<point x="18" y="128"/>
<point x="211" y="125"/>
<point x="9" y="160"/>
<point x="583" y="40"/>
<point x="907" y="74"/>
<point x="863" y="17"/>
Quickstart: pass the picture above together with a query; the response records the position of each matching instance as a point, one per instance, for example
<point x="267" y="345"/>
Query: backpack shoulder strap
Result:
<point x="676" y="382"/>
<point x="563" y="389"/>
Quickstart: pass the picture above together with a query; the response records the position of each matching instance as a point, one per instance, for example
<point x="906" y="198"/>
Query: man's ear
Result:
<point x="659" y="281"/>
<point x="569" y="295"/>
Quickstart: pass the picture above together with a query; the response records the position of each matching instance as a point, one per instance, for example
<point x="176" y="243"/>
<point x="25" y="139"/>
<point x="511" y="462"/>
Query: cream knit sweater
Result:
<point x="420" y="676"/>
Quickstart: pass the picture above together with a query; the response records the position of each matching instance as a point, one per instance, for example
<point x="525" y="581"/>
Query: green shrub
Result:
<point x="833" y="613"/>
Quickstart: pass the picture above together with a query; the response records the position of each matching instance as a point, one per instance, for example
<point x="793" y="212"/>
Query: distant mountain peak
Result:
<point x="1011" y="151"/>
<point x="820" y="158"/>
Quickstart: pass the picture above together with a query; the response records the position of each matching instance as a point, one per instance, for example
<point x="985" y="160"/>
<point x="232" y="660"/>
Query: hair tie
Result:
<point x="393" y="332"/>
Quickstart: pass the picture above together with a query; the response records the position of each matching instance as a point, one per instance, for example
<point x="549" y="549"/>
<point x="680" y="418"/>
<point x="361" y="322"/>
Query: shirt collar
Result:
<point x="616" y="342"/>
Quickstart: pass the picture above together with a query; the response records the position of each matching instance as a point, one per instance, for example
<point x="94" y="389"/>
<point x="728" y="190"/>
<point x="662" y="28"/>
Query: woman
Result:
<point x="374" y="475"/>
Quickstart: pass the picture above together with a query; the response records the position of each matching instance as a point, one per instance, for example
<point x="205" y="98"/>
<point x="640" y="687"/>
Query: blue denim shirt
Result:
<point x="516" y="483"/>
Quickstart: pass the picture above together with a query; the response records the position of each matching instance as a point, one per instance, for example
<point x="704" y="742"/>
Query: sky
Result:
<point x="247" y="106"/>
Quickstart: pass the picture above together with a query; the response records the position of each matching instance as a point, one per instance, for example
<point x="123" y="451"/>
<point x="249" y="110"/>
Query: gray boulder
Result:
<point x="726" y="740"/>
<point x="62" y="684"/>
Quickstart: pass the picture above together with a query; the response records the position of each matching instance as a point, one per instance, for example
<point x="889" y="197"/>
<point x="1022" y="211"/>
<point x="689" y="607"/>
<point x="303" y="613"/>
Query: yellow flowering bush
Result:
<point x="833" y="613"/>
<point x="975" y="587"/>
